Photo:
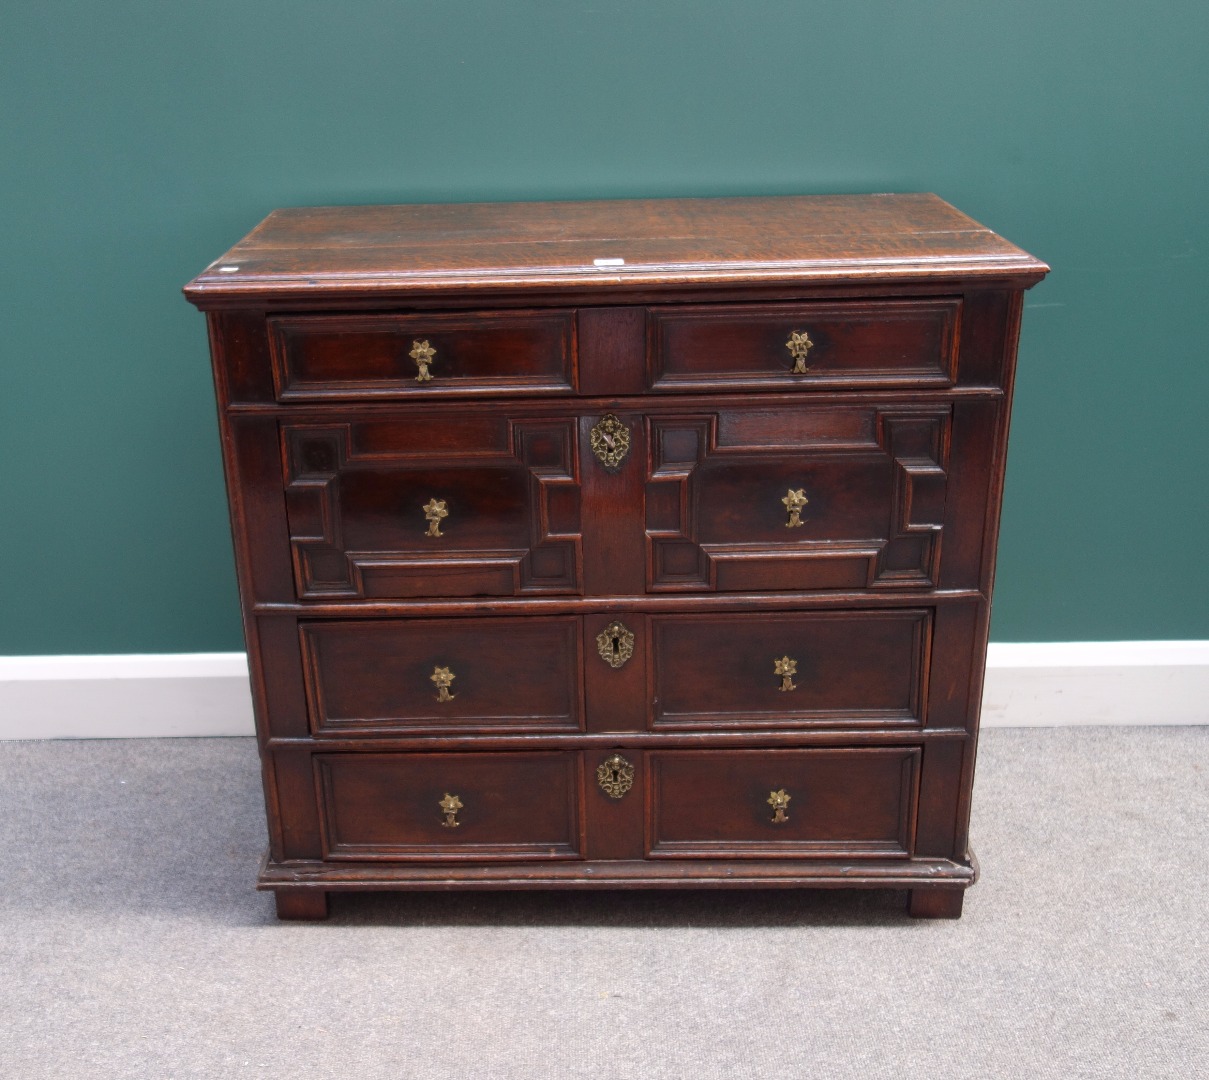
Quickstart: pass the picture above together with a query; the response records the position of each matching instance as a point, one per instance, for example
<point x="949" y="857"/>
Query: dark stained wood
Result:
<point x="706" y="738"/>
<point x="726" y="873"/>
<point x="853" y="343"/>
<point x="356" y="495"/>
<point x="375" y="676"/>
<point x="514" y="806"/>
<point x="301" y="904"/>
<point x="368" y="357"/>
<point x="896" y="433"/>
<point x="293" y="807"/>
<point x="615" y="826"/>
<point x="611" y="350"/>
<point x="859" y="668"/>
<point x="874" y="479"/>
<point x="615" y="560"/>
<point x="710" y="803"/>
<point x="380" y="250"/>
<point x="617" y="697"/>
<point x="935" y="903"/>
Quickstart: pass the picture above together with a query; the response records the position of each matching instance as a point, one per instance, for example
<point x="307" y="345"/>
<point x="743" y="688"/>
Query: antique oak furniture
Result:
<point x="617" y="544"/>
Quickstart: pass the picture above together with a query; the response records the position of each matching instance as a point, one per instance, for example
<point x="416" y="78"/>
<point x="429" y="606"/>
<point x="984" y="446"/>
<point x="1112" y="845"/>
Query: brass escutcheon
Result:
<point x="434" y="513"/>
<point x="779" y="802"/>
<point x="795" y="502"/>
<point x="450" y="805"/>
<point x="610" y="440"/>
<point x="615" y="776"/>
<point x="786" y="669"/>
<point x="799" y="344"/>
<point x="422" y="353"/>
<point x="443" y="678"/>
<point x="615" y="643"/>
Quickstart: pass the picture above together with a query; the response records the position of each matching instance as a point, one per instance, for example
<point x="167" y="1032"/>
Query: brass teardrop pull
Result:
<point x="435" y="511"/>
<point x="450" y="805"/>
<point x="786" y="669"/>
<point x="799" y="344"/>
<point x="423" y="354"/>
<point x="795" y="502"/>
<point x="442" y="678"/>
<point x="779" y="801"/>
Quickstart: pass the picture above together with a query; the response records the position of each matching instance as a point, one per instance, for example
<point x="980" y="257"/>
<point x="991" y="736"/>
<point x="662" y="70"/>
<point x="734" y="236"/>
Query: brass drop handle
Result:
<point x="423" y="353"/>
<point x="442" y="678"/>
<point x="450" y="805"/>
<point x="799" y="344"/>
<point x="779" y="801"/>
<point x="786" y="669"/>
<point x="795" y="502"/>
<point x="435" y="511"/>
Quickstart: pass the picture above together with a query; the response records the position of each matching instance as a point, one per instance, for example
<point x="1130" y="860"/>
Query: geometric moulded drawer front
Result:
<point x="442" y="676"/>
<point x="791" y="803"/>
<point x="375" y="356"/>
<point x="443" y="807"/>
<point x="789" y="669"/>
<point x="826" y="345"/>
<point x="812" y="497"/>
<point x="473" y="505"/>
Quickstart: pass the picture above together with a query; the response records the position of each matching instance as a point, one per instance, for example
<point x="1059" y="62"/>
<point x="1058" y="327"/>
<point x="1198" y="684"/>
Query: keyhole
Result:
<point x="615" y="641"/>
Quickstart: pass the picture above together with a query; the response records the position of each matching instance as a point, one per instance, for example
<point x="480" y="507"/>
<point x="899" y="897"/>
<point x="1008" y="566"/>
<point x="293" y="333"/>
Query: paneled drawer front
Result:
<point x="791" y="803"/>
<point x="789" y="669"/>
<point x="451" y="806"/>
<point x="807" y="498"/>
<point x="433" y="505"/>
<point x="443" y="676"/>
<point x="351" y="357"/>
<point x="852" y="343"/>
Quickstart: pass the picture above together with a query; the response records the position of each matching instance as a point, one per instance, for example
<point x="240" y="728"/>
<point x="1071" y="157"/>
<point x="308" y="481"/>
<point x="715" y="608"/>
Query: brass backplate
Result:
<point x="610" y="440"/>
<point x="799" y="344"/>
<point x="435" y="511"/>
<point x="615" y="643"/>
<point x="795" y="502"/>
<point x="442" y="678"/>
<point x="786" y="668"/>
<point x="779" y="801"/>
<point x="450" y="805"/>
<point x="423" y="354"/>
<point x="615" y="776"/>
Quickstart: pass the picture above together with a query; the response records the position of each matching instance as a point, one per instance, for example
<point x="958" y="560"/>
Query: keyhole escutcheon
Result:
<point x="615" y="644"/>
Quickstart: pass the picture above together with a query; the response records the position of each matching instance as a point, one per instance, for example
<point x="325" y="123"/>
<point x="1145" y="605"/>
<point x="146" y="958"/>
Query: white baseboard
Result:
<point x="1058" y="684"/>
<point x="199" y="694"/>
<point x="124" y="696"/>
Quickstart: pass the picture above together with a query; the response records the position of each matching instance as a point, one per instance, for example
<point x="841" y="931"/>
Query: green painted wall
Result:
<point x="139" y="140"/>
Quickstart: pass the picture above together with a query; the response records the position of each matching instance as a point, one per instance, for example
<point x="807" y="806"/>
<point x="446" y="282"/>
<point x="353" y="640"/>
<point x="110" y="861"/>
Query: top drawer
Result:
<point x="825" y="344"/>
<point x="379" y="356"/>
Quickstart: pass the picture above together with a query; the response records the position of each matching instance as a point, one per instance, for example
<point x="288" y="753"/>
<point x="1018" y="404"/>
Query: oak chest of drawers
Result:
<point x="617" y="544"/>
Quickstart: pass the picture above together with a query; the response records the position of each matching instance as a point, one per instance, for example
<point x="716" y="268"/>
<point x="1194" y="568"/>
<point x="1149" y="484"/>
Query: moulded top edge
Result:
<point x="609" y="244"/>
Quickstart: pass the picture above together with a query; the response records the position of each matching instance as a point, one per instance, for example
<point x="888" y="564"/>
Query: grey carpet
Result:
<point x="133" y="944"/>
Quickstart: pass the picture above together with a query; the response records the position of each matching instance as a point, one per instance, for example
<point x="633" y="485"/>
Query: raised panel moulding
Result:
<point x="124" y="696"/>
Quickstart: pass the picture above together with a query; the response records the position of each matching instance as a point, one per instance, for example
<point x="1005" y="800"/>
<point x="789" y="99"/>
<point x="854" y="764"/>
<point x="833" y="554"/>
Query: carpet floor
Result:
<point x="132" y="943"/>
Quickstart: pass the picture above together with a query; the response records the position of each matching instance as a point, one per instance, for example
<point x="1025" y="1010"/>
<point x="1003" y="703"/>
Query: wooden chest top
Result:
<point x="377" y="250"/>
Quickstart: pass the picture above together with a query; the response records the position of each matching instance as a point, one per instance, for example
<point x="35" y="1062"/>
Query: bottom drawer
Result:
<point x="481" y="807"/>
<point x="790" y="803"/>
